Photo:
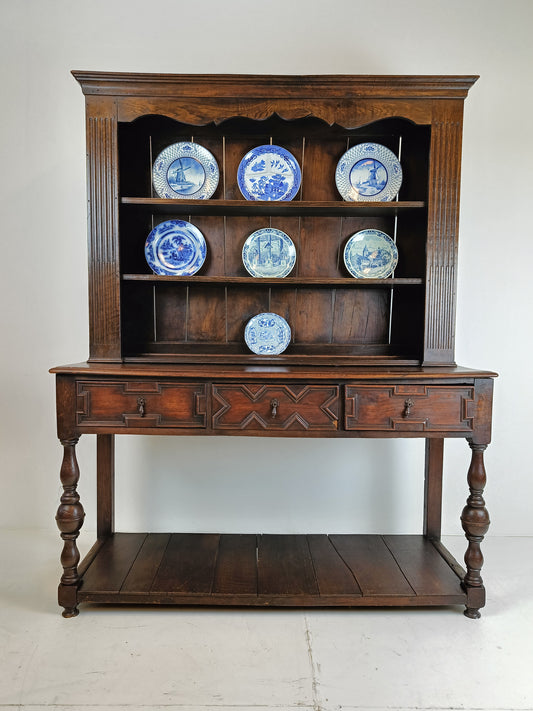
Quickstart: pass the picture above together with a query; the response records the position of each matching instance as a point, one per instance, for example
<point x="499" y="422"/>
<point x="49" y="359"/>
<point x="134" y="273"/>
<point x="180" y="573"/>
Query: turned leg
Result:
<point x="475" y="521"/>
<point x="69" y="519"/>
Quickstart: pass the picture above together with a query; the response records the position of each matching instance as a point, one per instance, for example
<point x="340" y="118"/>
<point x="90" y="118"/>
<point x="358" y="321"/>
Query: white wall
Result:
<point x="254" y="484"/>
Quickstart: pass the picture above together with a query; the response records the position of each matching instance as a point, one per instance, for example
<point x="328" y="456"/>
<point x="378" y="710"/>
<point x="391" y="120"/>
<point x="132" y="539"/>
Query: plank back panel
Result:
<point x="238" y="229"/>
<point x="206" y="317"/>
<point x="170" y="312"/>
<point x="361" y="316"/>
<point x="212" y="229"/>
<point x="320" y="159"/>
<point x="312" y="320"/>
<point x="319" y="246"/>
<point x="243" y="303"/>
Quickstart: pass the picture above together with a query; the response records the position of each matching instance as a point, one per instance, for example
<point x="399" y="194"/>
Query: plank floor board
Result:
<point x="188" y="564"/>
<point x="424" y="568"/>
<point x="372" y="565"/>
<point x="276" y="570"/>
<point x="146" y="564"/>
<point x="113" y="562"/>
<point x="236" y="569"/>
<point x="284" y="566"/>
<point x="332" y="574"/>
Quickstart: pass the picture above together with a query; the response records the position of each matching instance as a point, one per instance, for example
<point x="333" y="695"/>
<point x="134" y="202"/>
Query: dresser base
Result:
<point x="269" y="571"/>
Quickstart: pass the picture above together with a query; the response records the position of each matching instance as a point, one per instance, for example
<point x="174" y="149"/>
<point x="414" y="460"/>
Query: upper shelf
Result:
<point x="272" y="281"/>
<point x="259" y="207"/>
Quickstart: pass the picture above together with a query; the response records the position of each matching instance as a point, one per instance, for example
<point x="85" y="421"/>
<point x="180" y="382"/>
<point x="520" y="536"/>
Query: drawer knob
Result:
<point x="274" y="404"/>
<point x="408" y="405"/>
<point x="141" y="404"/>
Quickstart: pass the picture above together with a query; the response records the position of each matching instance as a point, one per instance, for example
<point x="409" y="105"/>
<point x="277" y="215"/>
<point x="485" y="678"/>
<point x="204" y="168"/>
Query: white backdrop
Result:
<point x="249" y="484"/>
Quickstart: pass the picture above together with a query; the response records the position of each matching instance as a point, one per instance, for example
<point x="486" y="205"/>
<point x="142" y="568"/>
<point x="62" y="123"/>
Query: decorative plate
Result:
<point x="175" y="247"/>
<point x="267" y="334"/>
<point x="269" y="173"/>
<point x="370" y="254"/>
<point x="269" y="253"/>
<point x="368" y="171"/>
<point x="185" y="170"/>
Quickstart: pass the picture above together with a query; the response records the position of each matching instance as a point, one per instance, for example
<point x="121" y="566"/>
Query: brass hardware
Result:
<point x="408" y="405"/>
<point x="141" y="404"/>
<point x="274" y="404"/>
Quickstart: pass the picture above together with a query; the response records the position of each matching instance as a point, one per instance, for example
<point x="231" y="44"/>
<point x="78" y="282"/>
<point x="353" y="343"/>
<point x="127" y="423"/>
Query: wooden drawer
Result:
<point x="410" y="408"/>
<point x="275" y="407"/>
<point x="141" y="404"/>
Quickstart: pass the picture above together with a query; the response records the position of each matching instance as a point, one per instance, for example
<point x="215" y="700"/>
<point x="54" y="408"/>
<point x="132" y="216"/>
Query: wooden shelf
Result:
<point x="271" y="570"/>
<point x="258" y="207"/>
<point x="286" y="281"/>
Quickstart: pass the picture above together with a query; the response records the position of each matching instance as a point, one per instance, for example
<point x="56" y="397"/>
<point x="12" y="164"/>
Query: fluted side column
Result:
<point x="102" y="181"/>
<point x="443" y="220"/>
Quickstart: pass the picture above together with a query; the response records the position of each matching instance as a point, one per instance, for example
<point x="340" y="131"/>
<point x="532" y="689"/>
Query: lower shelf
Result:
<point x="270" y="570"/>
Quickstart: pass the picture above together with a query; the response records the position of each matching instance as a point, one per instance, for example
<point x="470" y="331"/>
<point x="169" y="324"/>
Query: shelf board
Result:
<point x="259" y="207"/>
<point x="270" y="570"/>
<point x="286" y="281"/>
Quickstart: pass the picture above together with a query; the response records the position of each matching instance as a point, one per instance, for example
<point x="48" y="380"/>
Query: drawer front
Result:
<point x="275" y="407"/>
<point x="410" y="408"/>
<point x="131" y="404"/>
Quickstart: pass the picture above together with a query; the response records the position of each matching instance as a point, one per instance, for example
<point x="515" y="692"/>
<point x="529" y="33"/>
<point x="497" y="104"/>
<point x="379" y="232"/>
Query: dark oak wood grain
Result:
<point x="369" y="358"/>
<point x="188" y="564"/>
<point x="130" y="118"/>
<point x="236" y="568"/>
<point x="271" y="570"/>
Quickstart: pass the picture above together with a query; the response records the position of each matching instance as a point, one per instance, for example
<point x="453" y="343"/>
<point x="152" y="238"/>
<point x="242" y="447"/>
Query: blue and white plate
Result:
<point x="269" y="173"/>
<point x="370" y="254"/>
<point x="185" y="170"/>
<point x="269" y="253"/>
<point x="175" y="247"/>
<point x="368" y="171"/>
<point x="267" y="334"/>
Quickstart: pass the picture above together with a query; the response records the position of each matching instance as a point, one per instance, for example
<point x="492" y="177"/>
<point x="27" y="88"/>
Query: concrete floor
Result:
<point x="265" y="660"/>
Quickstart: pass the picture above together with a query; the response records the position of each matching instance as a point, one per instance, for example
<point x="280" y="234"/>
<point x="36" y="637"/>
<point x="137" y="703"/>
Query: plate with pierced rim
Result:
<point x="267" y="334"/>
<point x="269" y="253"/>
<point x="269" y="173"/>
<point x="370" y="254"/>
<point x="185" y="171"/>
<point x="368" y="172"/>
<point x="175" y="247"/>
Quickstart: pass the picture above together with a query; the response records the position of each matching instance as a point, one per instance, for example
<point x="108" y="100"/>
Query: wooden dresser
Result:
<point x="369" y="358"/>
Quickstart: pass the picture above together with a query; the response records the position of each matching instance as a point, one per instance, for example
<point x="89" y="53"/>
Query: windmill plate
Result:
<point x="186" y="171"/>
<point x="368" y="172"/>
